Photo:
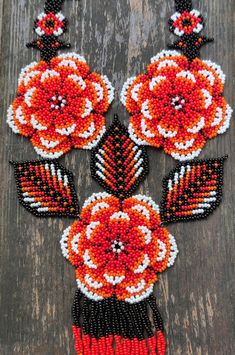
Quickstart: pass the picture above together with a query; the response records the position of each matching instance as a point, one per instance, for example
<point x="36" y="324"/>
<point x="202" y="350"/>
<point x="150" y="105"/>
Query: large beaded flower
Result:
<point x="177" y="104"/>
<point x="118" y="247"/>
<point x="186" y="23"/>
<point x="60" y="105"/>
<point x="50" y="24"/>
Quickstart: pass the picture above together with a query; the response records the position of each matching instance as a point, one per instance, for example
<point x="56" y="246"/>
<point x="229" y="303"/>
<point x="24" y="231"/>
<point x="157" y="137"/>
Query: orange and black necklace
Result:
<point x="120" y="243"/>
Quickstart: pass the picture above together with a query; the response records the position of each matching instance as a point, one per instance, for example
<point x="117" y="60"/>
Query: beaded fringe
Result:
<point x="112" y="327"/>
<point x="116" y="345"/>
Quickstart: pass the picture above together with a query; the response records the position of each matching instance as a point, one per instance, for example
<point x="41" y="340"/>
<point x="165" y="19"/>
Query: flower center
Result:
<point x="117" y="247"/>
<point x="186" y="22"/>
<point x="58" y="102"/>
<point x="178" y="102"/>
<point x="50" y="23"/>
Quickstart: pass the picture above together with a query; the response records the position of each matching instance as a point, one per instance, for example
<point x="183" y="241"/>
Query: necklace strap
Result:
<point x="49" y="26"/>
<point x="187" y="24"/>
<point x="53" y="6"/>
<point x="183" y="5"/>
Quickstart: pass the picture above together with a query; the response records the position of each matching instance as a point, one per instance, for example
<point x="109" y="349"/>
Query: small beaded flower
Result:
<point x="186" y="23"/>
<point x="48" y="24"/>
<point x="116" y="249"/>
<point x="60" y="105"/>
<point x="177" y="104"/>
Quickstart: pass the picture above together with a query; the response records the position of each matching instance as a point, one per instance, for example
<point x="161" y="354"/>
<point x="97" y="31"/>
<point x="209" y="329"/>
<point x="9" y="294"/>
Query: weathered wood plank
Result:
<point x="196" y="297"/>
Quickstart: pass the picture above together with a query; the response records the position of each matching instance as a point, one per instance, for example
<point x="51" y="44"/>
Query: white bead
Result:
<point x="185" y="145"/>
<point x="143" y="266"/>
<point x="198" y="127"/>
<point x="189" y="156"/>
<point x="89" y="132"/>
<point x="90" y="228"/>
<point x="142" y="209"/>
<point x="109" y="87"/>
<point x="165" y="133"/>
<point x="134" y="137"/>
<point x="125" y="89"/>
<point x="66" y="131"/>
<point x="88" y="261"/>
<point x="146" y="132"/>
<point x="73" y="56"/>
<point x="217" y="69"/>
<point x="227" y="120"/>
<point x="145" y="110"/>
<point x="64" y="241"/>
<point x="136" y="299"/>
<point x="167" y="63"/>
<point x="163" y="54"/>
<point x="48" y="155"/>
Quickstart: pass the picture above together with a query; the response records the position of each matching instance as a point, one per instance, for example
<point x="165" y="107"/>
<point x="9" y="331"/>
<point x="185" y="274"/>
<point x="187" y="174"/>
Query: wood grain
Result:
<point x="196" y="297"/>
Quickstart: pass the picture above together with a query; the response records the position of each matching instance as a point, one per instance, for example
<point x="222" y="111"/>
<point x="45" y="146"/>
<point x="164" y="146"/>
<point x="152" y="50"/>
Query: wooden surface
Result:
<point x="196" y="297"/>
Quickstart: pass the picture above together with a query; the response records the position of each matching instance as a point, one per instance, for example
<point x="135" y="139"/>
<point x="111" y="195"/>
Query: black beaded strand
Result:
<point x="112" y="317"/>
<point x="183" y="5"/>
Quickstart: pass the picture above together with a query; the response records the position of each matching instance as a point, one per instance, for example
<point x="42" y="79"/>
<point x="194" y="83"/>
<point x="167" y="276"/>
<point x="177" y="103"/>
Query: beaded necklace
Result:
<point x="119" y="243"/>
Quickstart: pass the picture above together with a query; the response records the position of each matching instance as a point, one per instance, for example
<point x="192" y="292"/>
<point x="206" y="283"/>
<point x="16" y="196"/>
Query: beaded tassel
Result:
<point x="118" y="334"/>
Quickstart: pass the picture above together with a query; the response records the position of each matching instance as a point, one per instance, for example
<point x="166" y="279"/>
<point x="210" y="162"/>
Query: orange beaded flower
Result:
<point x="117" y="247"/>
<point x="60" y="105"/>
<point x="177" y="104"/>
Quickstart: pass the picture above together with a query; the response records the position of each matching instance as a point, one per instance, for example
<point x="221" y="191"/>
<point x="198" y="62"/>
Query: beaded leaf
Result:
<point x="193" y="190"/>
<point x="46" y="188"/>
<point x="118" y="164"/>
